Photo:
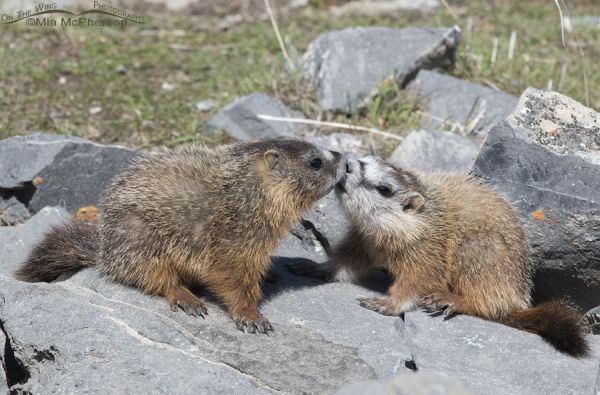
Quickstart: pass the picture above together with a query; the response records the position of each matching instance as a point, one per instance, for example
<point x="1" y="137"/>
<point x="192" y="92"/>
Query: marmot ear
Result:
<point x="413" y="201"/>
<point x="271" y="159"/>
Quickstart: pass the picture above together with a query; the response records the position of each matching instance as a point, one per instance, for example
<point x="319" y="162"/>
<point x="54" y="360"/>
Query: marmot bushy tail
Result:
<point x="451" y="243"/>
<point x="555" y="323"/>
<point x="194" y="215"/>
<point x="65" y="249"/>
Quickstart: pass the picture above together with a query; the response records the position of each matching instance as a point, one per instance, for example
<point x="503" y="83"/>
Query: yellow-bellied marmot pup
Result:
<point x="196" y="215"/>
<point x="450" y="243"/>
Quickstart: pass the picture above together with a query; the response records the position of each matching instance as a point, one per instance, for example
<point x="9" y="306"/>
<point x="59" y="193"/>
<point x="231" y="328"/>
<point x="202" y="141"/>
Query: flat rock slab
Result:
<point x="47" y="170"/>
<point x="88" y="334"/>
<point x="545" y="160"/>
<point x="490" y="358"/>
<point x="417" y="383"/>
<point x="433" y="150"/>
<point x="452" y="103"/>
<point x="239" y="119"/>
<point x="347" y="66"/>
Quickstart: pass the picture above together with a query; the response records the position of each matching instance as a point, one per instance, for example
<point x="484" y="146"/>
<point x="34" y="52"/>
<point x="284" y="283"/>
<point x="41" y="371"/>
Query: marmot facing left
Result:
<point x="196" y="215"/>
<point x="450" y="243"/>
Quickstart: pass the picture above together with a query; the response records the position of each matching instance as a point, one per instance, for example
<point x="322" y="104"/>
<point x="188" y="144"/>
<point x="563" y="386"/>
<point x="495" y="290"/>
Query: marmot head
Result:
<point x="298" y="171"/>
<point x="381" y="199"/>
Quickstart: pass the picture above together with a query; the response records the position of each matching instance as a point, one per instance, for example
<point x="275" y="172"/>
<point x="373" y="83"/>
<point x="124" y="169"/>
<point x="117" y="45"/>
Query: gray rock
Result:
<point x="432" y="150"/>
<point x="120" y="69"/>
<point x="87" y="334"/>
<point x="84" y="341"/>
<point x="327" y="220"/>
<point x="73" y="172"/>
<point x="22" y="158"/>
<point x="239" y="119"/>
<point x="341" y="142"/>
<point x="419" y="383"/>
<point x="545" y="160"/>
<point x="347" y="66"/>
<point x="489" y="358"/>
<point x="452" y="103"/>
<point x="13" y="212"/>
<point x="113" y="339"/>
<point x="17" y="240"/>
<point x="3" y="380"/>
<point x="205" y="105"/>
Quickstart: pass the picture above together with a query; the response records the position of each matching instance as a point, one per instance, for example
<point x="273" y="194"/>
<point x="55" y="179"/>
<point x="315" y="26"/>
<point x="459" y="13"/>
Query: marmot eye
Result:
<point x="384" y="191"/>
<point x="316" y="163"/>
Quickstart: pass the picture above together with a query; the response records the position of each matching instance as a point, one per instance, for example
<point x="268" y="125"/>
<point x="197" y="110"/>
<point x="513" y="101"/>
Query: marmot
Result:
<point x="451" y="244"/>
<point x="196" y="215"/>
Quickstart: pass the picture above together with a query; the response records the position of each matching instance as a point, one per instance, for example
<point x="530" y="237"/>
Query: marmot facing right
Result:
<point x="451" y="243"/>
<point x="196" y="215"/>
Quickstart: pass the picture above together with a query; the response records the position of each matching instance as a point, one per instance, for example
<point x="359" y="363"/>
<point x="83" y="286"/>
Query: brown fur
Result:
<point x="451" y="244"/>
<point x="209" y="216"/>
<point x="65" y="249"/>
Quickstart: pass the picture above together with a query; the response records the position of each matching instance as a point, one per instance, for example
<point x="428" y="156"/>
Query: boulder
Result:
<point x="347" y="66"/>
<point x="112" y="338"/>
<point x="545" y="159"/>
<point x="89" y="334"/>
<point x="39" y="150"/>
<point x="41" y="170"/>
<point x="18" y="240"/>
<point x="433" y="150"/>
<point x="13" y="212"/>
<point x="452" y="103"/>
<point x="239" y="119"/>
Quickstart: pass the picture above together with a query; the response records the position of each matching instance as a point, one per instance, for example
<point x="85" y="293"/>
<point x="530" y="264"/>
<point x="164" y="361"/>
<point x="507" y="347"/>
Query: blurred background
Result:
<point x="160" y="81"/>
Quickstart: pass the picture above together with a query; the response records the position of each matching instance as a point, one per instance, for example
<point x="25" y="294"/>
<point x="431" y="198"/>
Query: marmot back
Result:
<point x="197" y="215"/>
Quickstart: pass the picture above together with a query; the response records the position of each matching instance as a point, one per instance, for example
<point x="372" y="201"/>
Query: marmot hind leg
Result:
<point x="490" y="281"/>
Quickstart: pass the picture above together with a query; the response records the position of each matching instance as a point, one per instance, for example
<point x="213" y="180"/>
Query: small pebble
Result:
<point x="167" y="86"/>
<point x="205" y="105"/>
<point x="120" y="69"/>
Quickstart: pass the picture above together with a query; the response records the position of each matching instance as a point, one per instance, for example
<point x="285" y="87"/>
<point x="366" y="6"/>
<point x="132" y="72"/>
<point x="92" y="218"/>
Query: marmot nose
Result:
<point x="351" y="166"/>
